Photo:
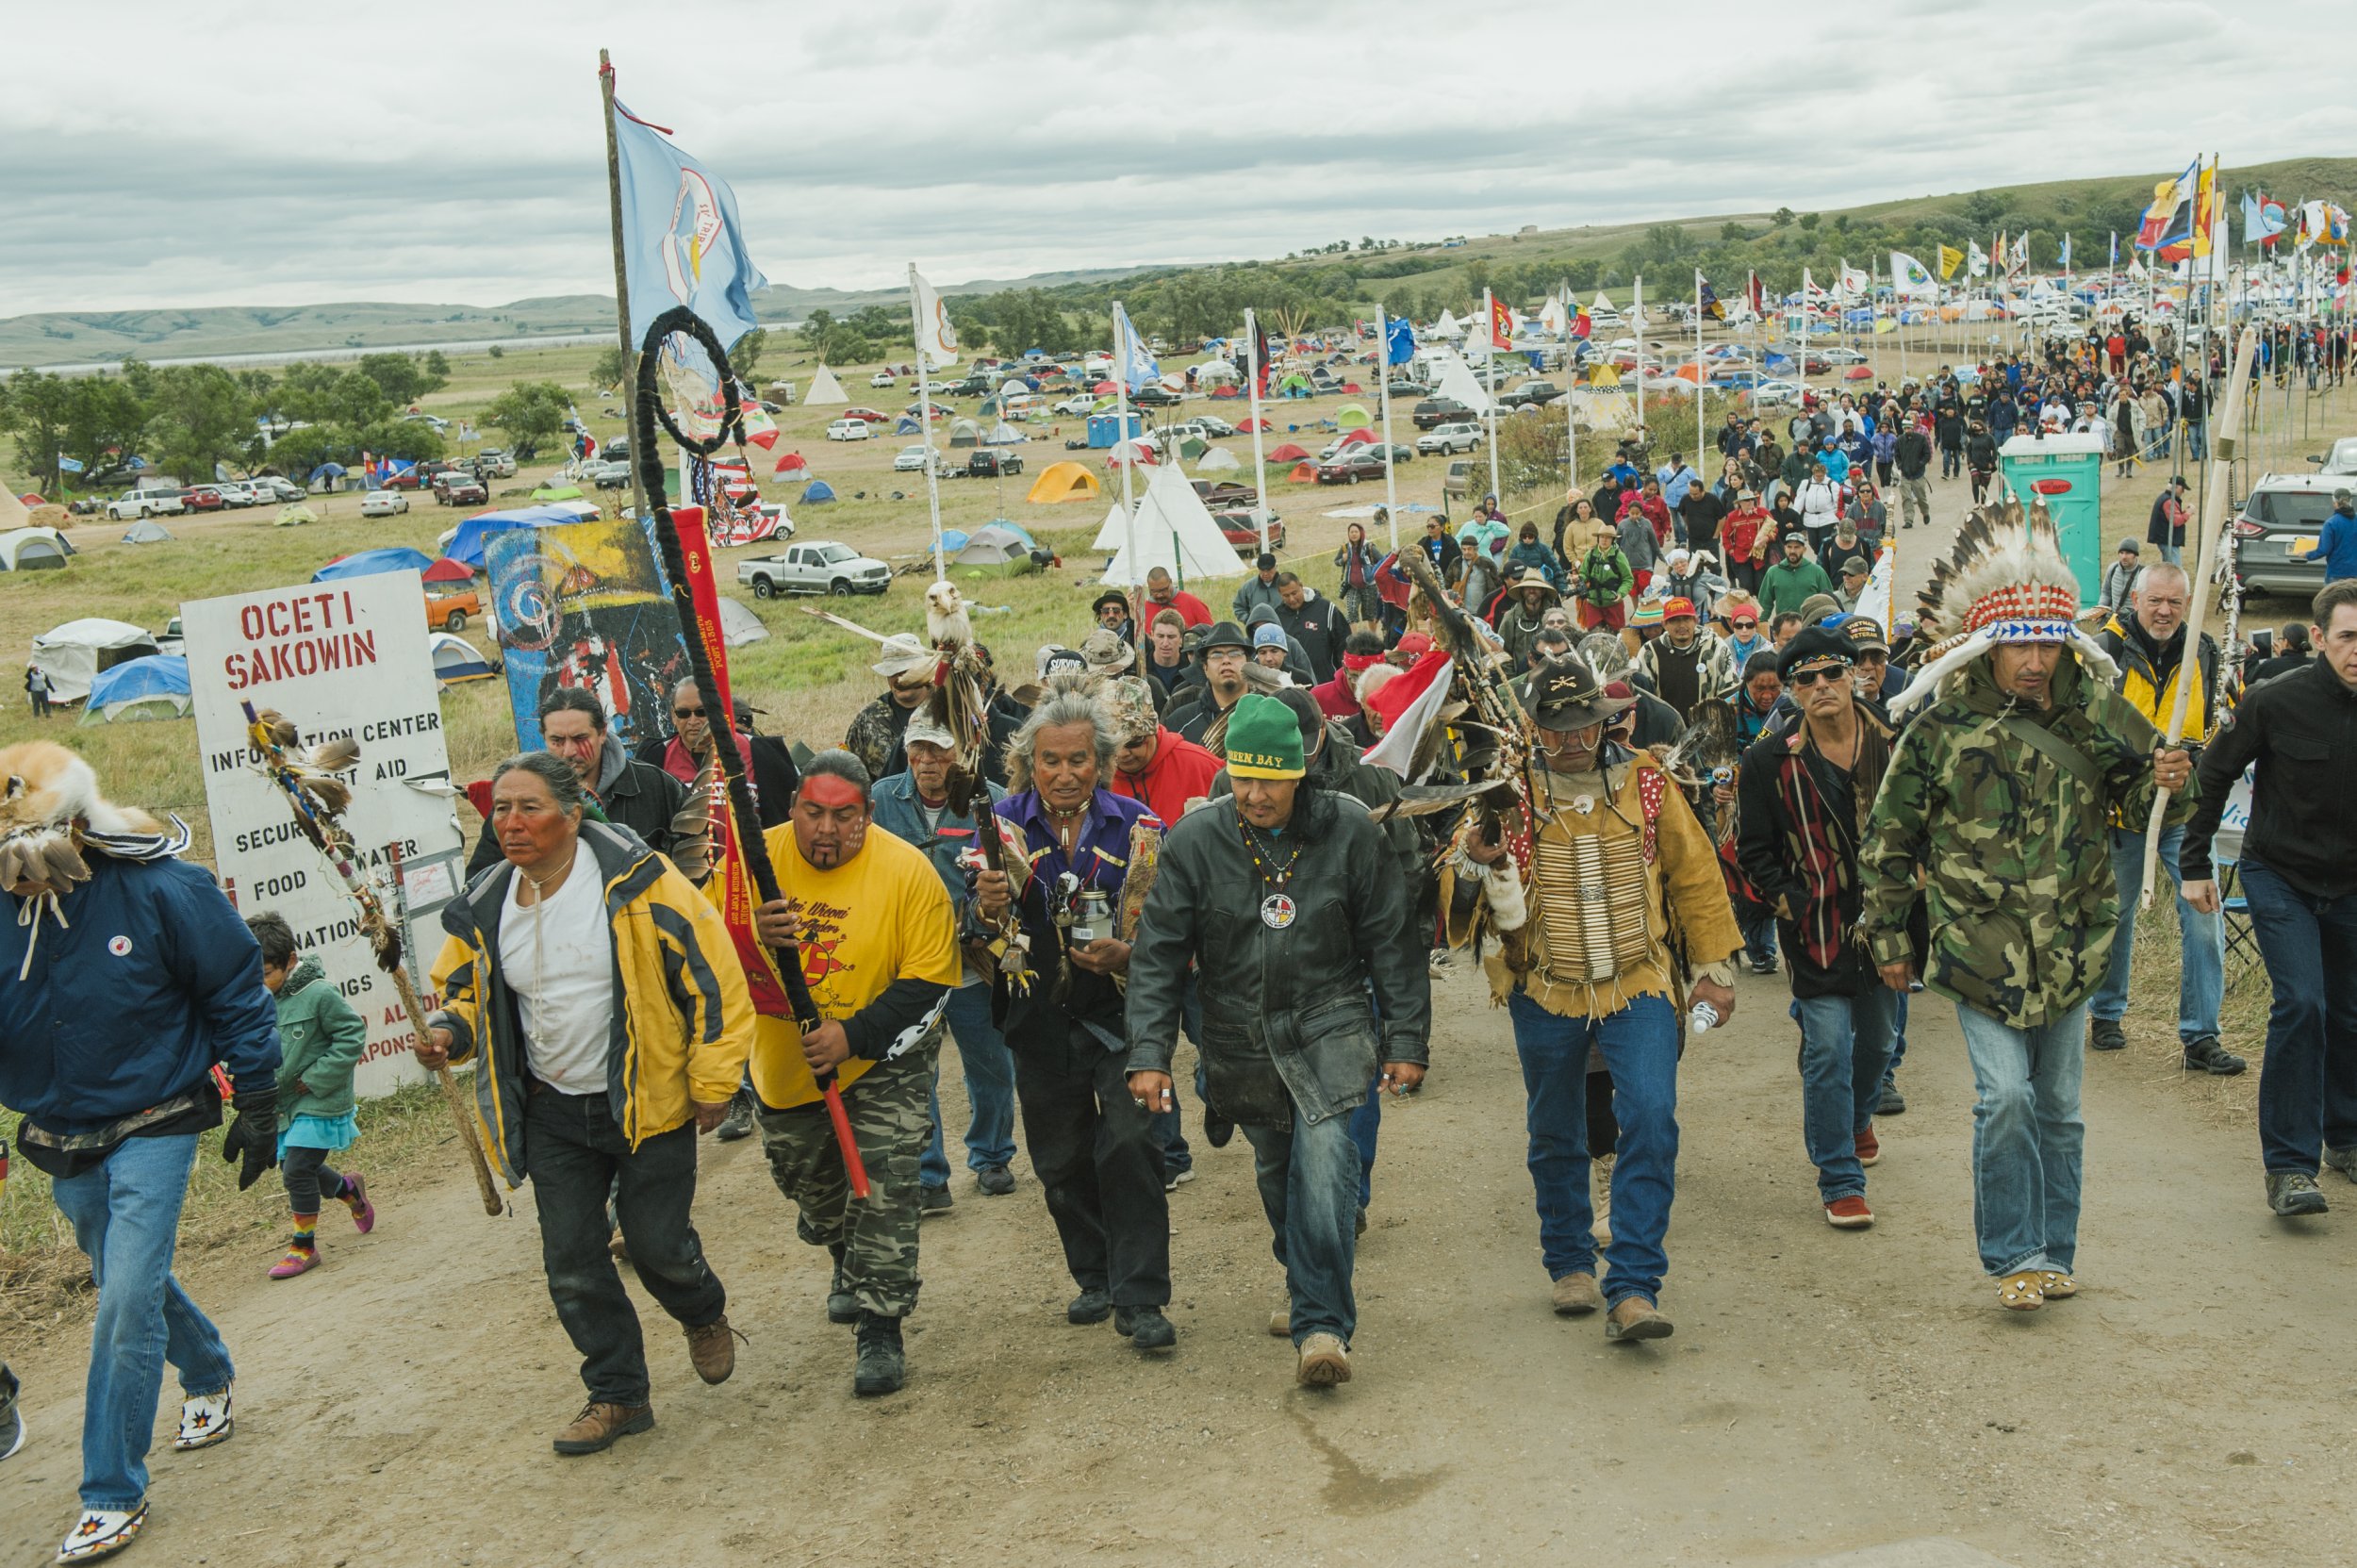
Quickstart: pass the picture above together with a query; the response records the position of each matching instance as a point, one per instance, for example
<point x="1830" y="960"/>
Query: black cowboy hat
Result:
<point x="1564" y="694"/>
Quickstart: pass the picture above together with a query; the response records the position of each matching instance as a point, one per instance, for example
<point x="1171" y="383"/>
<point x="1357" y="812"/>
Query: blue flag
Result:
<point x="69" y="464"/>
<point x="1399" y="340"/>
<point x="680" y="240"/>
<point x="1135" y="365"/>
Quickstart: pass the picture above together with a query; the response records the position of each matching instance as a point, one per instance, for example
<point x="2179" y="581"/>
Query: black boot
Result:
<point x="842" y="1306"/>
<point x="1146" y="1327"/>
<point x="739" y="1123"/>
<point x="882" y="1369"/>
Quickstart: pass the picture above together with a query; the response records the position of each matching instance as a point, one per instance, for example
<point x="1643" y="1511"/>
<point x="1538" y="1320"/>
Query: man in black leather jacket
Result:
<point x="1289" y="900"/>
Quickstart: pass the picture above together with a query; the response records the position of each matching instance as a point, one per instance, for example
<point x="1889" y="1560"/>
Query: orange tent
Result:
<point x="1304" y="473"/>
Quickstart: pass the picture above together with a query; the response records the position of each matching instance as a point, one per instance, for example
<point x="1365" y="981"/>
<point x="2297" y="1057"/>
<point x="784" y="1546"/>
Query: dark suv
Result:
<point x="1435" y="411"/>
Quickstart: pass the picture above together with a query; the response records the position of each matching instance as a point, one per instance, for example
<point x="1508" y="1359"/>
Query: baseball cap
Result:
<point x="1268" y="635"/>
<point x="922" y="726"/>
<point x="1676" y="607"/>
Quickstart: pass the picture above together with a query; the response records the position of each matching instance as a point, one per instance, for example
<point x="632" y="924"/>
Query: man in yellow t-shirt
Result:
<point x="879" y="947"/>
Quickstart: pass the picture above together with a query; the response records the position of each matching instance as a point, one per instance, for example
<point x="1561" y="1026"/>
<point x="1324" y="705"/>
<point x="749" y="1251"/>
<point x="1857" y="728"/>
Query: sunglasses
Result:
<point x="687" y="713"/>
<point x="1805" y="678"/>
<point x="1746" y="626"/>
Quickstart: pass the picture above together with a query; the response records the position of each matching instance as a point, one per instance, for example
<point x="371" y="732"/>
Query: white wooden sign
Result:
<point x="338" y="658"/>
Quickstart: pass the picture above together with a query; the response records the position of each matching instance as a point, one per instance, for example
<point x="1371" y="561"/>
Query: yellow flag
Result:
<point x="2204" y="205"/>
<point x="1950" y="260"/>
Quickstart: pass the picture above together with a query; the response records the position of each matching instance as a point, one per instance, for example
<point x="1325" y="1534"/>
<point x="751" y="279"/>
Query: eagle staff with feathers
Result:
<point x="307" y="779"/>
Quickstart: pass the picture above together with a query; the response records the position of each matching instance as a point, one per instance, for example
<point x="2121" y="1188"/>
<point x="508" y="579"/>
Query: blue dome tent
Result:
<point x="816" y="491"/>
<point x="369" y="563"/>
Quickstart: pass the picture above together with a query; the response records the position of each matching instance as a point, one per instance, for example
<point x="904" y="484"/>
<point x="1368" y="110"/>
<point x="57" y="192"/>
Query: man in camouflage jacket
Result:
<point x="1999" y="799"/>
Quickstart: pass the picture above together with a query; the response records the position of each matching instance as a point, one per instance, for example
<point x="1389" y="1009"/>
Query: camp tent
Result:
<point x="1361" y="437"/>
<point x="372" y="563"/>
<point x="447" y="571"/>
<point x="294" y="515"/>
<point x="1192" y="447"/>
<point x="13" y="512"/>
<point x="1135" y="451"/>
<point x="1248" y="427"/>
<point x="1289" y="452"/>
<point x="1294" y="385"/>
<point x="1173" y="530"/>
<point x="1215" y="370"/>
<point x="825" y="388"/>
<point x="1060" y="482"/>
<point x="1004" y="434"/>
<point x="1447" y="325"/>
<point x="1456" y="381"/>
<point x="965" y="433"/>
<point x="816" y="491"/>
<point x="465" y="545"/>
<point x="1218" y="461"/>
<point x="74" y="654"/>
<point x="792" y="463"/>
<point x="557" y="492"/>
<point x="738" y="624"/>
<point x="455" y="659"/>
<point x="908" y="427"/>
<point x="146" y="530"/>
<point x="994" y="549"/>
<point x="153" y="686"/>
<point x="33" y="549"/>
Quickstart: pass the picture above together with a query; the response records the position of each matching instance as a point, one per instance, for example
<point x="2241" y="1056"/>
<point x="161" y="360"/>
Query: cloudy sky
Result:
<point x="260" y="152"/>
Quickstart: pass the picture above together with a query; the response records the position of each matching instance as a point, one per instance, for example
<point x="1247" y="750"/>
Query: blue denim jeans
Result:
<point x="2027" y="1139"/>
<point x="1641" y="1048"/>
<point x="2198" y="439"/>
<point x="125" y="1215"/>
<point x="1759" y="939"/>
<point x="2200" y="943"/>
<point x="1366" y="1127"/>
<point x="1309" y="1178"/>
<point x="1898" y="1037"/>
<point x="1845" y="1043"/>
<point x="989" y="1068"/>
<point x="2308" y="1083"/>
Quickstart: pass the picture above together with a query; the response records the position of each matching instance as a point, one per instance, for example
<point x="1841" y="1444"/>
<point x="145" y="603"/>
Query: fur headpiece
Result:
<point x="51" y="811"/>
<point x="2006" y="580"/>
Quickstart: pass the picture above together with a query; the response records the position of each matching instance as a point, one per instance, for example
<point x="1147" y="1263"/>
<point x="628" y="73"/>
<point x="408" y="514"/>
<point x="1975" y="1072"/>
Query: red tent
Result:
<point x="1859" y="373"/>
<point x="1224" y="390"/>
<point x="1358" y="436"/>
<point x="1289" y="452"/>
<point x="1351" y="388"/>
<point x="793" y="462"/>
<point x="1102" y="388"/>
<point x="1250" y="425"/>
<point x="447" y="571"/>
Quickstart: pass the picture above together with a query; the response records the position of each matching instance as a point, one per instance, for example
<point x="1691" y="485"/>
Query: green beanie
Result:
<point x="1264" y="740"/>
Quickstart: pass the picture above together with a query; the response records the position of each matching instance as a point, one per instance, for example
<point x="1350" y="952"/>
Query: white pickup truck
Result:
<point x="823" y="567"/>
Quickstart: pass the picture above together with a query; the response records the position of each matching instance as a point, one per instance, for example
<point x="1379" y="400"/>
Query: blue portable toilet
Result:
<point x="816" y="491"/>
<point x="1105" y="429"/>
<point x="2067" y="473"/>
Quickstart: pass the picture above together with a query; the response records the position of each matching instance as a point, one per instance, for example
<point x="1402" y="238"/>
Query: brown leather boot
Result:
<point x="1575" y="1296"/>
<point x="599" y="1424"/>
<point x="1636" y="1318"/>
<point x="712" y="1348"/>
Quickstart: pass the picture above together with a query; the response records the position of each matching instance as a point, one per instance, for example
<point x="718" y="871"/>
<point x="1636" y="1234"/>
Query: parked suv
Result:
<point x="2280" y="521"/>
<point x="1434" y="412"/>
<point x="1458" y="435"/>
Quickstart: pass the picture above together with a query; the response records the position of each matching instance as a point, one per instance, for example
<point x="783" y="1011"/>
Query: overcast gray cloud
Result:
<point x="292" y="154"/>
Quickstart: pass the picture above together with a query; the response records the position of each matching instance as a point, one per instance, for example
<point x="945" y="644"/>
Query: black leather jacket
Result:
<point x="1287" y="1024"/>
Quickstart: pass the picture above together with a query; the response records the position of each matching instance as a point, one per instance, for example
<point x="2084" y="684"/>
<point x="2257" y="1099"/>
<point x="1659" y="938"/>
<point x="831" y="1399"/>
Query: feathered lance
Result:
<point x="649" y="413"/>
<point x="318" y="801"/>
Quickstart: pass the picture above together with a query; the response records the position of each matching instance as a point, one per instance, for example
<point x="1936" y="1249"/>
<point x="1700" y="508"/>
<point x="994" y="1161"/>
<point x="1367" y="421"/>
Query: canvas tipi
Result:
<point x="1174" y="531"/>
<point x="825" y="388"/>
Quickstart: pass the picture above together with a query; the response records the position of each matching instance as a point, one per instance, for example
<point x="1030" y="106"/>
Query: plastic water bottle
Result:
<point x="1703" y="1019"/>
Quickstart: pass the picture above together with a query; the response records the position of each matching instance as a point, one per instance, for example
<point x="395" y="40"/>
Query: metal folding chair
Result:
<point x="2242" y="942"/>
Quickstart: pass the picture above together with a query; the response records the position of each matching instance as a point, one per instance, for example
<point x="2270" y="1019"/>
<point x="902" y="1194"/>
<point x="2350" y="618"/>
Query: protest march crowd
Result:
<point x="1605" y="760"/>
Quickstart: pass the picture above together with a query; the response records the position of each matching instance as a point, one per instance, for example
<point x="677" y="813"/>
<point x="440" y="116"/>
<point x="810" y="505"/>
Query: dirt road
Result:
<point x="1824" y="1391"/>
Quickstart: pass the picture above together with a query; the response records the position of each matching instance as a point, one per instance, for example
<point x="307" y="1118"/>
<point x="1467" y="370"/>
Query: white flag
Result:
<point x="1910" y="277"/>
<point x="936" y="339"/>
<point x="1855" y="281"/>
<point x="1975" y="259"/>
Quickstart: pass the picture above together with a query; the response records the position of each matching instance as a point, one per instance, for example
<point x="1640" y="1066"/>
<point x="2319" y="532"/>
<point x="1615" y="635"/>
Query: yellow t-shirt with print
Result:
<point x="881" y="915"/>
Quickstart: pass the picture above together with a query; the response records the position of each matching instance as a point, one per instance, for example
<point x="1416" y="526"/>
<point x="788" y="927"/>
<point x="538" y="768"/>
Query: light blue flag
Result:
<point x="1136" y="366"/>
<point x="69" y="464"/>
<point x="1399" y="345"/>
<point x="680" y="240"/>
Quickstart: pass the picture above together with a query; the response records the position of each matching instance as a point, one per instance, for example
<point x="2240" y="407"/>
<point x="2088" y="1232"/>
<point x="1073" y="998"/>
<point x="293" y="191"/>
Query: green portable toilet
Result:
<point x="2067" y="473"/>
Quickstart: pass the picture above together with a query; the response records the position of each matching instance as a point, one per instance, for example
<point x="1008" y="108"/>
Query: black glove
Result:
<point x="253" y="1135"/>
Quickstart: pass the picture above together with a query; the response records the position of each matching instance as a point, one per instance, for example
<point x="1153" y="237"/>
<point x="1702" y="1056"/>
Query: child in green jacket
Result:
<point x="320" y="1042"/>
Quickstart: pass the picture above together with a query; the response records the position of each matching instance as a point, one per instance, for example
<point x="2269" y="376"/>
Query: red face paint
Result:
<point x="830" y="791"/>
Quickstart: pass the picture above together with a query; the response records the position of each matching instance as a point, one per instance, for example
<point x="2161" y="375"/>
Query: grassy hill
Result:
<point x="1325" y="284"/>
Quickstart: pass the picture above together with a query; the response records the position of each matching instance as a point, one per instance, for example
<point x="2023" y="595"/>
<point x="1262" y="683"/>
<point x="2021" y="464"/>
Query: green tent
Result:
<point x="1294" y="382"/>
<point x="1351" y="417"/>
<point x="1192" y="447"/>
<point x="557" y="492"/>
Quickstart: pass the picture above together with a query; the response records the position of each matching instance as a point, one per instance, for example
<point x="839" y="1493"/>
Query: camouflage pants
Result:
<point x="891" y="1113"/>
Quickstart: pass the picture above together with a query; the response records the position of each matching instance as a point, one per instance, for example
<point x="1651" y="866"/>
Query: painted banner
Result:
<point x="344" y="659"/>
<point x="731" y="888"/>
<point x="585" y="604"/>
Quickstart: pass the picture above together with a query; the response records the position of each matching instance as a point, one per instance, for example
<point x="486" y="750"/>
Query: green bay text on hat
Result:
<point x="1264" y="740"/>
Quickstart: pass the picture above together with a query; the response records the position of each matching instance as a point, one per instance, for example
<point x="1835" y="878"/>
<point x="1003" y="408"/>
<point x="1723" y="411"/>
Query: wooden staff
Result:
<point x="2206" y="538"/>
<point x="335" y="843"/>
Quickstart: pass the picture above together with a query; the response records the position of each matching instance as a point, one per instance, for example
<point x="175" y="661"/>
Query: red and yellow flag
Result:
<point x="1501" y="324"/>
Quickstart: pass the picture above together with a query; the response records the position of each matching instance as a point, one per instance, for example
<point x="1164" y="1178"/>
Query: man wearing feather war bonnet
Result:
<point x="1621" y="892"/>
<point x="133" y="978"/>
<point x="1998" y="800"/>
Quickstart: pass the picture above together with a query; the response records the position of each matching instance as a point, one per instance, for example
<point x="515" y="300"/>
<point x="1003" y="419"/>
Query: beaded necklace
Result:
<point x="1277" y="909"/>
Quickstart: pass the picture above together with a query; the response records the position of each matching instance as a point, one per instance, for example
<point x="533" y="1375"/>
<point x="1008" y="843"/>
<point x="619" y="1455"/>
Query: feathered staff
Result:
<point x="1485" y="718"/>
<point x="649" y="413"/>
<point x="308" y="782"/>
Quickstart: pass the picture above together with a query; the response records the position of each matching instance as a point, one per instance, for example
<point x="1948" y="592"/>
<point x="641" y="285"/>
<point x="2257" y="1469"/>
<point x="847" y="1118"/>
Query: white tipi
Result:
<point x="1174" y="531"/>
<point x="825" y="388"/>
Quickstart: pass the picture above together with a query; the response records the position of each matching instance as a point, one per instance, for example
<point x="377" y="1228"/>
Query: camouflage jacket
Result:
<point x="874" y="737"/>
<point x="2014" y="850"/>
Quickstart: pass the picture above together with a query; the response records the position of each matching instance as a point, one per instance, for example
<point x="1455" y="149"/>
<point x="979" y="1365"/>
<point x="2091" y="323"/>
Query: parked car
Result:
<point x="1458" y="480"/>
<point x="382" y="504"/>
<point x="850" y="430"/>
<point x="1775" y="393"/>
<point x="1241" y="531"/>
<point x="158" y="502"/>
<point x="991" y="463"/>
<point x="1077" y="407"/>
<point x="1221" y="493"/>
<point x="455" y="488"/>
<point x="1351" y="465"/>
<point x="1153" y="396"/>
<point x="237" y="493"/>
<point x="872" y="416"/>
<point x="1402" y="389"/>
<point x="1457" y="436"/>
<point x="1434" y="412"/>
<point x="203" y="497"/>
<point x="1210" y="426"/>
<point x="407" y="479"/>
<point x="272" y="488"/>
<point x="821" y="567"/>
<point x="1836" y="354"/>
<point x="910" y="459"/>
<point x="450" y="612"/>
<point x="498" y="460"/>
<point x="882" y="378"/>
<point x="605" y="476"/>
<point x="2340" y="457"/>
<point x="2280" y="521"/>
<point x="1530" y="394"/>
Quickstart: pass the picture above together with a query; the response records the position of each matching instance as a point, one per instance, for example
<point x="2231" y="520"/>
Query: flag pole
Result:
<point x="1123" y="458"/>
<point x="1571" y="415"/>
<point x="925" y="412"/>
<point x="1490" y="367"/>
<point x="622" y="269"/>
<point x="1383" y="387"/>
<point x="1260" y="462"/>
<point x="1636" y="319"/>
<point x="1699" y="420"/>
